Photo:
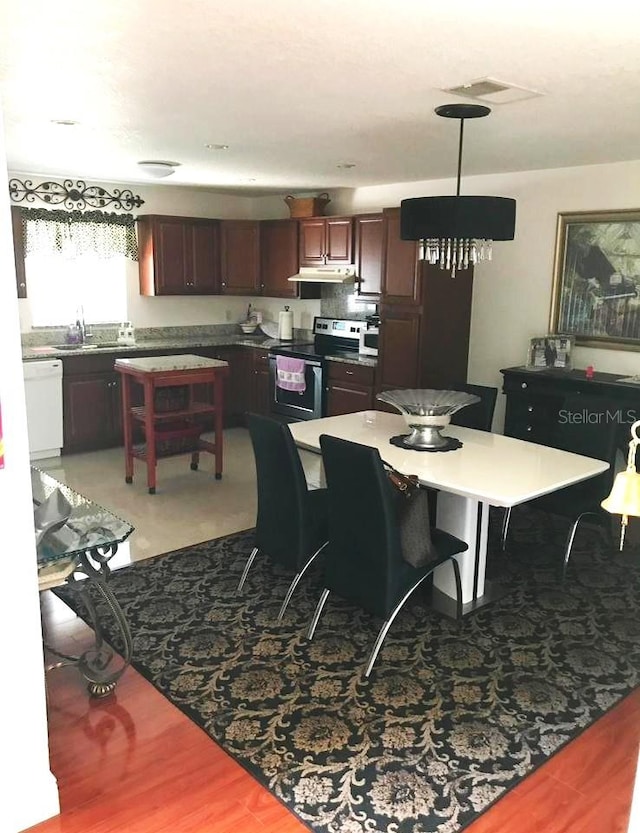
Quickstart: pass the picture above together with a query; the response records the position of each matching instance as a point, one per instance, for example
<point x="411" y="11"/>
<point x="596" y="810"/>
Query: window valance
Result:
<point x="76" y="233"/>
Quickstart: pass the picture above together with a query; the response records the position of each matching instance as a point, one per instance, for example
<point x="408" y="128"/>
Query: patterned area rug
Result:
<point x="449" y="720"/>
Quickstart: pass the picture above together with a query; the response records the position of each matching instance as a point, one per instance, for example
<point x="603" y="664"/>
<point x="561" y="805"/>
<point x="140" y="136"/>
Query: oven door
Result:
<point x="298" y="405"/>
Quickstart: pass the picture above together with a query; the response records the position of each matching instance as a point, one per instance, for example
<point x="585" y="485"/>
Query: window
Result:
<point x="75" y="259"/>
<point x="59" y="285"/>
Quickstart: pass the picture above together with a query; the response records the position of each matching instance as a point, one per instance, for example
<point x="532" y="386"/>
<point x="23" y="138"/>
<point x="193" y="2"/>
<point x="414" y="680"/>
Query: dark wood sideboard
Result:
<point x="535" y="397"/>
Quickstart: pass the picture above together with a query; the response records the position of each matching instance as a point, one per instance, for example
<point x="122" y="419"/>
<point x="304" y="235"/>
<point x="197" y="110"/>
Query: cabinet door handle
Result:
<point x="348" y="373"/>
<point x="528" y="428"/>
<point x="530" y="409"/>
<point x="224" y="283"/>
<point x="524" y="385"/>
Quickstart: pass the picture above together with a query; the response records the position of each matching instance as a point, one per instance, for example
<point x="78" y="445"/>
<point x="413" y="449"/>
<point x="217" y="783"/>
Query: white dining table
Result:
<point x="488" y="470"/>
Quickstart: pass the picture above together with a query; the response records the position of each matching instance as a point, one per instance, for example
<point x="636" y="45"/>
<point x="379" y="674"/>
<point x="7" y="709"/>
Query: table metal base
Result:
<point x="98" y="664"/>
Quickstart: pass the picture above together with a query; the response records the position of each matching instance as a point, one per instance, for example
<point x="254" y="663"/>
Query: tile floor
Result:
<point x="188" y="507"/>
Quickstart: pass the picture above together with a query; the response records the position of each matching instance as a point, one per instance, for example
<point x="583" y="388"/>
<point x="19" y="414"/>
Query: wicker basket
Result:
<point x="173" y="398"/>
<point x="307" y="206"/>
<point x="178" y="437"/>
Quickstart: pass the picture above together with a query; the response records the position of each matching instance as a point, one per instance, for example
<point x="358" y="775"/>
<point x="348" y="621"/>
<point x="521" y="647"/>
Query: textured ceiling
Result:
<point x="295" y="88"/>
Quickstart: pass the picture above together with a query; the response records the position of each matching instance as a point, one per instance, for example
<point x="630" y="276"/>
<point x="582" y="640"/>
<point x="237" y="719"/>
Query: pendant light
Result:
<point x="457" y="232"/>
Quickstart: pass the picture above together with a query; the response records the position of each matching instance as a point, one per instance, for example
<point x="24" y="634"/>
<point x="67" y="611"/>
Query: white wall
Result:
<point x="512" y="294"/>
<point x="29" y="791"/>
<point x="176" y="311"/>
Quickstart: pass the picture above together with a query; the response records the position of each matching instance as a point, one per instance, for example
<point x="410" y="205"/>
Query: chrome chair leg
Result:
<point x="296" y="580"/>
<point x="247" y="567"/>
<point x="318" y="613"/>
<point x="456" y="575"/>
<point x="387" y="624"/>
<point x="505" y="526"/>
<point x="570" y="539"/>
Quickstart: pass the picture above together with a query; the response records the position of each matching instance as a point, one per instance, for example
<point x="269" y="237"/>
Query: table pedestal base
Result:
<point x="468" y="520"/>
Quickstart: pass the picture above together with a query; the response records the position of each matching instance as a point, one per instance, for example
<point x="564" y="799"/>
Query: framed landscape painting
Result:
<point x="596" y="281"/>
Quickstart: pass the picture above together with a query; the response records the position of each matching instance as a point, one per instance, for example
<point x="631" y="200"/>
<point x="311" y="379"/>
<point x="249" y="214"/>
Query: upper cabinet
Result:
<point x="240" y="257"/>
<point x="401" y="277"/>
<point x="370" y="237"/>
<point x="326" y="241"/>
<point x="278" y="258"/>
<point x="18" y="250"/>
<point x="178" y="255"/>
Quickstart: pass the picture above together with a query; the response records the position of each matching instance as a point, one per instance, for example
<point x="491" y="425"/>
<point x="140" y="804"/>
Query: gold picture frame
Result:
<point x="596" y="278"/>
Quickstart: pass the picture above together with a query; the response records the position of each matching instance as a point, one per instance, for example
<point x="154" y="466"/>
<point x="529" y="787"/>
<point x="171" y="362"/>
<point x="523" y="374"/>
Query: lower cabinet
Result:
<point x="92" y="411"/>
<point x="350" y="388"/>
<point x="253" y="390"/>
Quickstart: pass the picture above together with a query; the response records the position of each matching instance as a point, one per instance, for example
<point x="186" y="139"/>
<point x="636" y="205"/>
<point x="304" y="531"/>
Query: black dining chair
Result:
<point x="586" y="425"/>
<point x="364" y="562"/>
<point x="480" y="414"/>
<point x="292" y="520"/>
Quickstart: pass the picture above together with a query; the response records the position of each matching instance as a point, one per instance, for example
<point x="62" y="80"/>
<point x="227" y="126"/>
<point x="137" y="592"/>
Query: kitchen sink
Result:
<point x="102" y="345"/>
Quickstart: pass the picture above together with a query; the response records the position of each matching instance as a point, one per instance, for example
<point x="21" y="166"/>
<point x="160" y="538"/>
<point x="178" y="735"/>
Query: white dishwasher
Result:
<point x="43" y="392"/>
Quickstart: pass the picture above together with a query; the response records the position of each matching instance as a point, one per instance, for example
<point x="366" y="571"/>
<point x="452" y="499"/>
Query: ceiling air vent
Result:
<point x="494" y="91"/>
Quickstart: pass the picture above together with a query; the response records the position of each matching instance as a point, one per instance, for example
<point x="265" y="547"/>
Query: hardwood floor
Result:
<point x="133" y="763"/>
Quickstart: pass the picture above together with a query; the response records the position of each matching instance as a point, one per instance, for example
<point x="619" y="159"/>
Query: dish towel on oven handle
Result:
<point x="290" y="374"/>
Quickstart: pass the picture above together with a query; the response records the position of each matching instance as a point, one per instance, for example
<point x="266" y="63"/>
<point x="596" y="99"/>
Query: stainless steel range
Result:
<point x="298" y="371"/>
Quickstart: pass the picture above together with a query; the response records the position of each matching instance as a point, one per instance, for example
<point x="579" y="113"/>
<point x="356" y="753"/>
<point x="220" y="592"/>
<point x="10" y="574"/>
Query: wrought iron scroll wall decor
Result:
<point x="76" y="195"/>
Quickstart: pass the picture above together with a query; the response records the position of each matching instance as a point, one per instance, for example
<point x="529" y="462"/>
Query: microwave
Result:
<point x="369" y="341"/>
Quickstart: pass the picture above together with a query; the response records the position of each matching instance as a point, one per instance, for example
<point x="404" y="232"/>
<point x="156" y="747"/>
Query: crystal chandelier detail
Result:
<point x="457" y="232"/>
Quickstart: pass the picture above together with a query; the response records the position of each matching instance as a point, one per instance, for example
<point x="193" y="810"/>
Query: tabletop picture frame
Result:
<point x="550" y="352"/>
<point x="596" y="278"/>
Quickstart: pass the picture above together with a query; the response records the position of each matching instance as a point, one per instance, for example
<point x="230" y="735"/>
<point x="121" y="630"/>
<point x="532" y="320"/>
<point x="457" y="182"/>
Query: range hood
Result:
<point x="325" y="274"/>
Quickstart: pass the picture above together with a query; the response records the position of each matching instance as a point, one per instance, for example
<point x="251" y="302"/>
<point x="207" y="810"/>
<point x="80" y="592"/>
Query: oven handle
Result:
<point x="311" y="362"/>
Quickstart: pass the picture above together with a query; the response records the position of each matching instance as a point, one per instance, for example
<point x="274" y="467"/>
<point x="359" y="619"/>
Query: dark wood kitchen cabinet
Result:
<point x="231" y="382"/>
<point x="425" y="317"/>
<point x="370" y="238"/>
<point x="254" y="390"/>
<point x="240" y="257"/>
<point x="278" y="258"/>
<point x="92" y="411"/>
<point x="326" y="241"/>
<point x="350" y="388"/>
<point x="178" y="255"/>
<point x="401" y="276"/>
<point x="18" y="250"/>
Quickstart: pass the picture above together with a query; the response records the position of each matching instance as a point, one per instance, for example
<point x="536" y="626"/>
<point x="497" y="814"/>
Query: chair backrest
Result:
<point x="589" y="425"/>
<point x="480" y="414"/>
<point x="363" y="561"/>
<point x="282" y="526"/>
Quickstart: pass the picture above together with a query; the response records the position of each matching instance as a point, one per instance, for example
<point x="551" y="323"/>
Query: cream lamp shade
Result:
<point x="625" y="493"/>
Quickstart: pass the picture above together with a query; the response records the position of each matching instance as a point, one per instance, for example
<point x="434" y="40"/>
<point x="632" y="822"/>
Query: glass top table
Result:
<point x="75" y="540"/>
<point x="87" y="526"/>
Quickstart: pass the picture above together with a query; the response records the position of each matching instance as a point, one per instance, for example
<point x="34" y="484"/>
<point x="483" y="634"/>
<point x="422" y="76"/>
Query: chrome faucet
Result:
<point x="81" y="325"/>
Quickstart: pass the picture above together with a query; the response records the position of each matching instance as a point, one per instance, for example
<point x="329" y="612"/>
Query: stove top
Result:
<point x="332" y="337"/>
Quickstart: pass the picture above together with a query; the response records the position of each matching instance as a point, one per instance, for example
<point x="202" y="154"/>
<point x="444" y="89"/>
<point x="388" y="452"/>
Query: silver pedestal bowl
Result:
<point x="427" y="412"/>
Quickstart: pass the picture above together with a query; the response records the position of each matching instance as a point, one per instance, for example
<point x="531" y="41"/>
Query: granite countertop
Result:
<point x="173" y="343"/>
<point x="60" y="351"/>
<point x="158" y="364"/>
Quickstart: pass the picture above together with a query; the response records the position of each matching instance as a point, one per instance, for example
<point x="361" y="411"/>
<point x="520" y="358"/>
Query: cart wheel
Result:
<point x="218" y="475"/>
<point x="152" y="490"/>
<point x="194" y="467"/>
<point x="128" y="480"/>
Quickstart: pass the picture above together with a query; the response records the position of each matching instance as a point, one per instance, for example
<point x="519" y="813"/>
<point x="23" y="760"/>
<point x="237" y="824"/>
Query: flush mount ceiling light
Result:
<point x="456" y="232"/>
<point x="158" y="169"/>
